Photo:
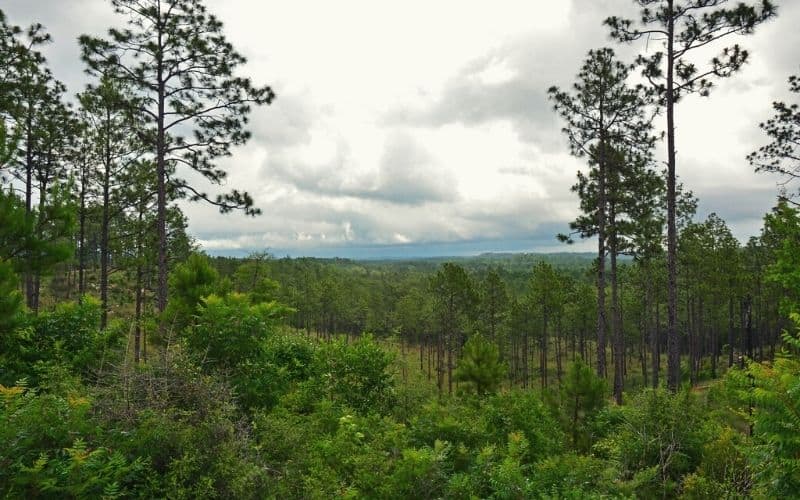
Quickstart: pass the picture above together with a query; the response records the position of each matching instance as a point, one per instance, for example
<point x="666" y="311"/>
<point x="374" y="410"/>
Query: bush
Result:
<point x="354" y="375"/>
<point x="573" y="476"/>
<point x="660" y="439"/>
<point x="185" y="424"/>
<point x="421" y="472"/>
<point x="50" y="446"/>
<point x="189" y="282"/>
<point x="724" y="471"/>
<point x="68" y="337"/>
<point x="480" y="366"/>
<point x="523" y="411"/>
<point x="228" y="330"/>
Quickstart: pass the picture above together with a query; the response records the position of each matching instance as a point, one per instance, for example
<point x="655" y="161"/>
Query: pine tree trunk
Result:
<point x="673" y="342"/>
<point x="104" y="226"/>
<point x="29" y="290"/>
<point x="619" y="341"/>
<point x="730" y="331"/>
<point x="161" y="187"/>
<point x="543" y="353"/>
<point x="601" y="256"/>
<point x="558" y="350"/>
<point x="137" y="335"/>
<point x="525" y="359"/>
<point x="657" y="345"/>
<point x="82" y="236"/>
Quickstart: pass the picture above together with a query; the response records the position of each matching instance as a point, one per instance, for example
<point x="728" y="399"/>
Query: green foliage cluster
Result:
<point x="480" y="366"/>
<point x="67" y="337"/>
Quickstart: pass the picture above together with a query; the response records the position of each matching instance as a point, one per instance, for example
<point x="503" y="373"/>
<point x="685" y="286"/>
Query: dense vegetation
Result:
<point x="134" y="365"/>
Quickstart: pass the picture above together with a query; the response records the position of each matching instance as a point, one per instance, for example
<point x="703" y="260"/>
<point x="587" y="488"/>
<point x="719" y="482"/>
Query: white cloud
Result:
<point x="419" y="122"/>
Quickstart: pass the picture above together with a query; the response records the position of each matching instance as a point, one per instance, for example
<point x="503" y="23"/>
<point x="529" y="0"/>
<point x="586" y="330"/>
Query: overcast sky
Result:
<point x="423" y="128"/>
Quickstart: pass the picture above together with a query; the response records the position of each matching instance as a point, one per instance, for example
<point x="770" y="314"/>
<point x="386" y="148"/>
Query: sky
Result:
<point x="422" y="128"/>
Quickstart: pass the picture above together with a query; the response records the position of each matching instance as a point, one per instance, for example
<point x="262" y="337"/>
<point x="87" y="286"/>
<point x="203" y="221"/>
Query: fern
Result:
<point x="774" y="394"/>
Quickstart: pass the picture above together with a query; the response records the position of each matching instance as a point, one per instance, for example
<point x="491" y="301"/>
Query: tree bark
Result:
<point x="104" y="224"/>
<point x="619" y="341"/>
<point x="673" y="344"/>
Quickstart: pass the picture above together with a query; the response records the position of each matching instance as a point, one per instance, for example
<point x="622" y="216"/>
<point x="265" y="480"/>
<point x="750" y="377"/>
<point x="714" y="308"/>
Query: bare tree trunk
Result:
<point x="543" y="353"/>
<point x="525" y="359"/>
<point x="558" y="350"/>
<point x="690" y="329"/>
<point x="82" y="235"/>
<point x="104" y="226"/>
<point x="29" y="284"/>
<point x="730" y="331"/>
<point x="161" y="175"/>
<point x="619" y="341"/>
<point x="673" y="343"/>
<point x="137" y="335"/>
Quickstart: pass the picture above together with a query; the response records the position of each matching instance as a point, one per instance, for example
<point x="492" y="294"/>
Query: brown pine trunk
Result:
<point x="730" y="331"/>
<point x="543" y="353"/>
<point x="104" y="226"/>
<point x="525" y="359"/>
<point x="619" y="341"/>
<point x="161" y="187"/>
<point x="673" y="342"/>
<point x="29" y="284"/>
<point x="82" y="235"/>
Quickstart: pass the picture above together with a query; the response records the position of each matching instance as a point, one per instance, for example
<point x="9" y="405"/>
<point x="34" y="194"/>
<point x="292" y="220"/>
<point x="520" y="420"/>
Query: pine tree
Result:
<point x="18" y="58"/>
<point x="782" y="155"/>
<point x="480" y="365"/>
<point x="454" y="301"/>
<point x="602" y="113"/>
<point x="113" y="143"/>
<point x="175" y="57"/>
<point x="583" y="393"/>
<point x="495" y="307"/>
<point x="684" y="27"/>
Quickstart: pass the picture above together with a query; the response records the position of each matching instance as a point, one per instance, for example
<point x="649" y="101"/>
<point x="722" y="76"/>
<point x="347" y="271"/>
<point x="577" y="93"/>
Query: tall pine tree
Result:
<point x="683" y="28"/>
<point x="174" y="55"/>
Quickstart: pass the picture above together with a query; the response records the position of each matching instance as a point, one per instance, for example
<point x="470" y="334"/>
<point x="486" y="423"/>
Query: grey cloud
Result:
<point x="735" y="203"/>
<point x="463" y="230"/>
<point x="286" y="122"/>
<point x="469" y="101"/>
<point x="406" y="175"/>
<point x="64" y="21"/>
<point x="779" y="48"/>
<point x="536" y="62"/>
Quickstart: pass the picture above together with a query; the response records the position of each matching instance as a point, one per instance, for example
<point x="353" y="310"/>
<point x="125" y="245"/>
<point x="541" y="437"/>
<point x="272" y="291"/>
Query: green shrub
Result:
<point x="355" y="375"/>
<point x="454" y="422"/>
<point x="189" y="282"/>
<point x="523" y="411"/>
<point x="724" y="471"/>
<point x="572" y="476"/>
<point x="660" y="439"/>
<point x="68" y="336"/>
<point x="186" y="425"/>
<point x="421" y="472"/>
<point x="480" y="366"/>
<point x="228" y="330"/>
<point x="50" y="446"/>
